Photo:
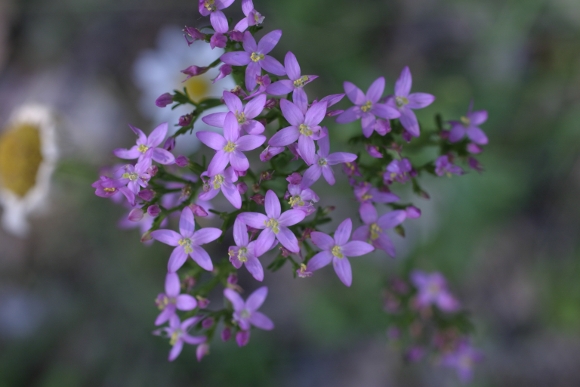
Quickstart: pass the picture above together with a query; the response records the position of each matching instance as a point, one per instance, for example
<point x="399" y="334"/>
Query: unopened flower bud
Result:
<point x="164" y="100"/>
<point x="152" y="171"/>
<point x="225" y="70"/>
<point x="226" y="334"/>
<point x="193" y="71"/>
<point x="271" y="103"/>
<point x="198" y="210"/>
<point x="474" y="164"/>
<point x="182" y="161"/>
<point x="266" y="175"/>
<point x="239" y="92"/>
<point x="407" y="136"/>
<point x="241" y="173"/>
<point x="207" y="323"/>
<point x="413" y="212"/>
<point x="400" y="230"/>
<point x="146" y="194"/>
<point x="192" y="34"/>
<point x="169" y="144"/>
<point x="201" y="351"/>
<point x="259" y="199"/>
<point x="294" y="178"/>
<point x="243" y="338"/>
<point x="202" y="302"/>
<point x="474" y="148"/>
<point x="185" y="120"/>
<point x="242" y="188"/>
<point x="285" y="252"/>
<point x="136" y="215"/>
<point x="232" y="279"/>
<point x="146" y="237"/>
<point x="270" y="152"/>
<point x="236" y="36"/>
<point x="307" y="233"/>
<point x="154" y="210"/>
<point x="327" y="210"/>
<point x="332" y="113"/>
<point x="218" y="40"/>
<point x="374" y="151"/>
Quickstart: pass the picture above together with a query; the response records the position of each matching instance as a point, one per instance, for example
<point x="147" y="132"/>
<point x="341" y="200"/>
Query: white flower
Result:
<point x="159" y="71"/>
<point x="28" y="154"/>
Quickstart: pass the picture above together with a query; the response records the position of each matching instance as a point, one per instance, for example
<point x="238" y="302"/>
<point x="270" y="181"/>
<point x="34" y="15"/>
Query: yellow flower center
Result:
<point x="142" y="148"/>
<point x="197" y="88"/>
<point x="109" y="189"/>
<point x="375" y="231"/>
<point x="273" y="224"/>
<point x="401" y="101"/>
<point x="20" y="158"/>
<point x="174" y="337"/>
<point x="186" y="243"/>
<point x="367" y="196"/>
<point x="218" y="180"/>
<point x="230" y="147"/>
<point x="322" y="162"/>
<point x="241" y="117"/>
<point x="209" y="5"/>
<point x="367" y="106"/>
<point x="305" y="130"/>
<point x="301" y="81"/>
<point x="296" y="200"/>
<point x="337" y="252"/>
<point x="242" y="254"/>
<point x="131" y="176"/>
<point x="255" y="57"/>
<point x="258" y="17"/>
<point x="465" y="121"/>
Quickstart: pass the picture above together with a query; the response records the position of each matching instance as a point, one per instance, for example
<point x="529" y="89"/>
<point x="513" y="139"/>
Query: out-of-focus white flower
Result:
<point x="28" y="154"/>
<point x="159" y="71"/>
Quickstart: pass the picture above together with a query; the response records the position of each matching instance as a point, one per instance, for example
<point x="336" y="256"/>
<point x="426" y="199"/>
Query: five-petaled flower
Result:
<point x="171" y="300"/>
<point x="244" y="251"/>
<point x="246" y="313"/>
<point x="469" y="125"/>
<point x="177" y="333"/>
<point x="323" y="161"/>
<point x="147" y="147"/>
<point x="374" y="227"/>
<point x="432" y="290"/>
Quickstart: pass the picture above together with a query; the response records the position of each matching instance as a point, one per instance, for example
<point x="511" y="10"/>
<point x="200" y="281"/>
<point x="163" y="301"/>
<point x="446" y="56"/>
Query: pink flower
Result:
<point x="147" y="147"/>
<point x="244" y="114"/>
<point x="187" y="242"/>
<point x="171" y="300"/>
<point x="374" y="227"/>
<point x="253" y="17"/>
<point x="224" y="181"/>
<point x="244" y="252"/>
<point x="323" y="161"/>
<point x="177" y="333"/>
<point x="246" y="313"/>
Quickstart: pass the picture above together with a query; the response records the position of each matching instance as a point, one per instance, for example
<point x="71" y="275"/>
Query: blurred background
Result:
<point x="77" y="294"/>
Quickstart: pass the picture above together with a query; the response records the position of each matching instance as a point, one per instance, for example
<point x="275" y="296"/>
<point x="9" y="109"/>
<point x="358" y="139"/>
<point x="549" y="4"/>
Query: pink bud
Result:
<point x="182" y="161"/>
<point x="270" y="152"/>
<point x="259" y="199"/>
<point x="201" y="351"/>
<point x="146" y="194"/>
<point x="474" y="148"/>
<point x="239" y="92"/>
<point x="225" y="70"/>
<point x="333" y="113"/>
<point x="202" y="302"/>
<point x="218" y="40"/>
<point x="266" y="175"/>
<point x="153" y="210"/>
<point x="135" y="215"/>
<point x="188" y="283"/>
<point x="374" y="151"/>
<point x="152" y="171"/>
<point x="207" y="323"/>
<point x="271" y="103"/>
<point x="243" y="338"/>
<point x="164" y="100"/>
<point x="241" y="173"/>
<point x="242" y="188"/>
<point x="198" y="210"/>
<point x="169" y="144"/>
<point x="232" y="279"/>
<point x="407" y="136"/>
<point x="185" y="119"/>
<point x="192" y="34"/>
<point x="413" y="212"/>
<point x="226" y="334"/>
<point x="236" y="36"/>
<point x="193" y="71"/>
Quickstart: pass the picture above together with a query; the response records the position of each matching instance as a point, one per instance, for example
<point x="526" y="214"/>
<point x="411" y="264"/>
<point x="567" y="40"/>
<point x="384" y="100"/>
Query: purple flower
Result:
<point x="366" y="193"/>
<point x="432" y="290"/>
<point x="337" y="250"/>
<point x="134" y="176"/>
<point x="244" y="114"/>
<point x="469" y="125"/>
<point x="262" y="81"/>
<point x="171" y="300"/>
<point x="213" y="8"/>
<point x="223" y="181"/>
<point x="274" y="224"/>
<point x="302" y="198"/>
<point x="374" y="151"/>
<point x="147" y="147"/>
<point x="253" y="17"/>
<point x="106" y="187"/>
<point x="367" y="107"/>
<point x="463" y="358"/>
<point x="246" y="313"/>
<point x="164" y="100"/>
<point x="304" y="127"/>
<point x="230" y="146"/>
<point x="244" y="253"/>
<point x="444" y="166"/>
<point x="192" y="34"/>
<point x="323" y="161"/>
<point x="404" y="102"/>
<point x="225" y="70"/>
<point x="296" y="81"/>
<point x="255" y="57"/>
<point x="270" y="152"/>
<point x="398" y="170"/>
<point x="177" y="332"/>
<point x="187" y="242"/>
<point x="375" y="227"/>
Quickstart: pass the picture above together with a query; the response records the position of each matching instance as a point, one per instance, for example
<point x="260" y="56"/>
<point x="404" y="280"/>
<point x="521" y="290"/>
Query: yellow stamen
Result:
<point x="186" y="243"/>
<point x="401" y="101"/>
<point x="241" y="117"/>
<point x="242" y="254"/>
<point x="142" y="148"/>
<point x="322" y="162"/>
<point x="296" y="200"/>
<point x="367" y="106"/>
<point x="367" y="196"/>
<point x="174" y="337"/>
<point x="305" y="130"/>
<point x="218" y="180"/>
<point x="109" y="189"/>
<point x="230" y="147"/>
<point x="465" y="121"/>
<point x="301" y="81"/>
<point x="20" y="158"/>
<point x="209" y="5"/>
<point x="273" y="224"/>
<point x="131" y="176"/>
<point x="255" y="57"/>
<point x="337" y="252"/>
<point x="375" y="231"/>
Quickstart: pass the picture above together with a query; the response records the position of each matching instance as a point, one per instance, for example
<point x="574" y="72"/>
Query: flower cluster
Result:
<point x="271" y="148"/>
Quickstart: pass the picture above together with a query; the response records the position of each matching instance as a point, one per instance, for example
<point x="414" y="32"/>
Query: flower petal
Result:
<point x="375" y="91"/>
<point x="383" y="242"/>
<point x="260" y="320"/>
<point x="272" y="204"/>
<point x="257" y="298"/>
<point x="392" y="219"/>
<point x="255" y="268"/>
<point x="175" y="350"/>
<point x="172" y="285"/>
<point x="236" y="58"/>
<point x="315" y="114"/>
<point x="356" y="248"/>
<point x="255" y="106"/>
<point x="264" y="241"/>
<point x="218" y="163"/>
<point x="185" y="302"/>
<point x="477" y="135"/>
<point x="292" y="66"/>
<point x="213" y="140"/>
<point x="284" y="136"/>
<point x="385" y="111"/>
<point x="291" y="112"/>
<point x="368" y="213"/>
<point x="240" y="232"/>
<point x="162" y="156"/>
<point x="319" y="260"/>
<point x="128" y="154"/>
<point x="351" y="114"/>
<point x="272" y="65"/>
<point x="322" y="240"/>
<point x="205" y="235"/>
<point x="157" y="135"/>
<point x="231" y="127"/>
<point x="169" y="237"/>
<point x="269" y="41"/>
<point x="250" y="142"/>
<point x="254" y="219"/>
<point x="234" y="298"/>
<point x="186" y="223"/>
<point x="420" y="100"/>
<point x="214" y="119"/>
<point x="219" y="22"/>
<point x="340" y="157"/>
<point x="176" y="259"/>
<point x="231" y="193"/>
<point x="409" y="122"/>
<point x="353" y="93"/>
<point x="343" y="232"/>
<point x="249" y="43"/>
<point x="403" y="84"/>
<point x="328" y="175"/>
<point x="252" y="71"/>
<point x="478" y="117"/>
<point x="343" y="270"/>
<point x="307" y="149"/>
<point x="202" y="258"/>
<point x="282" y="87"/>
<point x="239" y="161"/>
<point x="291" y="217"/>
<point x="288" y="239"/>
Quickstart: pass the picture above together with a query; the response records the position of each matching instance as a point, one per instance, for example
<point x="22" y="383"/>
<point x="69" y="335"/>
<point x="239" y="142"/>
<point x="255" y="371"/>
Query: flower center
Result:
<point x="367" y="106"/>
<point x="337" y="252"/>
<point x="305" y="130"/>
<point x="230" y="147"/>
<point x="20" y="158"/>
<point x="465" y="121"/>
<point x="273" y="224"/>
<point x="258" y="18"/>
<point x="301" y="81"/>
<point x="142" y="148"/>
<point x="131" y="176"/>
<point x="401" y="101"/>
<point x="245" y="314"/>
<point x="367" y="196"/>
<point x="218" y="180"/>
<point x="186" y="243"/>
<point x="434" y="289"/>
<point x="255" y="57"/>
<point x="241" y="117"/>
<point x="209" y="5"/>
<point x="109" y="189"/>
<point x="322" y="162"/>
<point x="162" y="301"/>
<point x="242" y="254"/>
<point x="296" y="200"/>
<point x="375" y="231"/>
<point x="174" y="337"/>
